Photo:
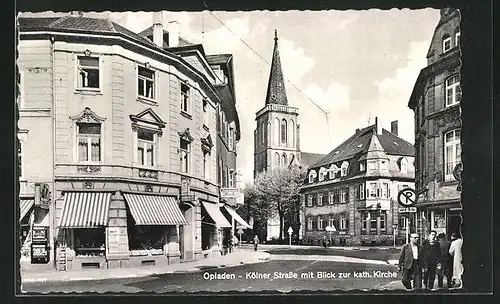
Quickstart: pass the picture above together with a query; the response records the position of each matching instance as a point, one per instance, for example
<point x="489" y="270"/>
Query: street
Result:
<point x="275" y="275"/>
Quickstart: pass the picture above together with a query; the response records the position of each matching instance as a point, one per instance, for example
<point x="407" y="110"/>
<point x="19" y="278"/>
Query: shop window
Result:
<point x="452" y="152"/>
<point x="90" y="242"/>
<point x="453" y="91"/>
<point x="88" y="72"/>
<point x="146" y="237"/>
<point x="438" y="220"/>
<point x="146" y="83"/>
<point x="146" y="147"/>
<point x="89" y="142"/>
<point x="402" y="223"/>
<point x="184" y="97"/>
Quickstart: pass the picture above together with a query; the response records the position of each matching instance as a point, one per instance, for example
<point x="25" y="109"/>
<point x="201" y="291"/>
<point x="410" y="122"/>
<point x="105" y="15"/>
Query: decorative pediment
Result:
<point x="207" y="143"/>
<point x="87" y="116"/>
<point x="186" y="135"/>
<point x="148" y="116"/>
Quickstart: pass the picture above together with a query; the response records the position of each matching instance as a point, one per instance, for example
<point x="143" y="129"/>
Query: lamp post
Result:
<point x="394" y="232"/>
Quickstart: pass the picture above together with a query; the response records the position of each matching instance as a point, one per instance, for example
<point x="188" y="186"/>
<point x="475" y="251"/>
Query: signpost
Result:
<point x="330" y="229"/>
<point x="290" y="231"/>
<point x="394" y="232"/>
<point x="407" y="197"/>
<point x="240" y="232"/>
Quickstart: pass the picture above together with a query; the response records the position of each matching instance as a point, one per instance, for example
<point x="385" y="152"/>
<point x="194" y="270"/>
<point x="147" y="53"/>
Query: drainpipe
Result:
<point x="52" y="207"/>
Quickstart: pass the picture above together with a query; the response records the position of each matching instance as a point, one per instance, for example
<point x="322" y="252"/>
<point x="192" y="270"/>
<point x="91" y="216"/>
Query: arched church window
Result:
<point x="283" y="131"/>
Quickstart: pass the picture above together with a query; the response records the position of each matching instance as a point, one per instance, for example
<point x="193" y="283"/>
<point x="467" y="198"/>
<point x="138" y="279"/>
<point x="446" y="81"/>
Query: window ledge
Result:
<point x="147" y="101"/>
<point x="88" y="91"/>
<point x="186" y="114"/>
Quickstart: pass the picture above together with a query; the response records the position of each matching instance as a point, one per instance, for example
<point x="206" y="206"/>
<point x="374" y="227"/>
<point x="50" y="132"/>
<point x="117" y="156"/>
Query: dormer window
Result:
<point x="457" y="39"/>
<point x="312" y="176"/>
<point x="322" y="173"/>
<point x="446" y="43"/>
<point x="362" y="166"/>
<point x="333" y="171"/>
<point x="343" y="168"/>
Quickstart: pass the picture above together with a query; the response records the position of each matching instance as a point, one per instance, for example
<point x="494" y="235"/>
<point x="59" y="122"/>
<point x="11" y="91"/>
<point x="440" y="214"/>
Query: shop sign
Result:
<point x="117" y="240"/>
<point x="184" y="186"/>
<point x="407" y="209"/>
<point x="229" y="192"/>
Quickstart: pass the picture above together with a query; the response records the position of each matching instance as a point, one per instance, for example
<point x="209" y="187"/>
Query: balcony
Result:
<point x="278" y="108"/>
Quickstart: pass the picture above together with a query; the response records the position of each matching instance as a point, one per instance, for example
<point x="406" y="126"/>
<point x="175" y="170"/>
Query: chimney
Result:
<point x="76" y="13"/>
<point x="394" y="127"/>
<point x="158" y="29"/>
<point x="357" y="130"/>
<point x="173" y="34"/>
<point x="378" y="126"/>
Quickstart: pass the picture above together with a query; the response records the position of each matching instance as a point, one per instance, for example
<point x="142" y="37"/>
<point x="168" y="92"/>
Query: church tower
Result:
<point x="276" y="138"/>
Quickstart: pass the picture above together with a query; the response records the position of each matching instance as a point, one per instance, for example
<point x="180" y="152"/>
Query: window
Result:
<point x="145" y="147"/>
<point x="452" y="152"/>
<point x="20" y="158"/>
<point x="404" y="165"/>
<point x="277" y="158"/>
<point x="320" y="199"/>
<point x="446" y="43"/>
<point x="369" y="219"/>
<point x="322" y="174"/>
<point x="184" y="97"/>
<point x="88" y="72"/>
<point x="309" y="200"/>
<point x="438" y="219"/>
<point x="320" y="223"/>
<point x="284" y="162"/>
<point x="309" y="224"/>
<point x="330" y="198"/>
<point x="146" y="237"/>
<point x="231" y="178"/>
<point x="372" y="165"/>
<point x="333" y="170"/>
<point x="343" y="222"/>
<point x="206" y="173"/>
<point x="343" y="196"/>
<point x="205" y="113"/>
<point x="385" y="190"/>
<point x="362" y="166"/>
<point x="331" y="222"/>
<point x="372" y="191"/>
<point x="283" y="131"/>
<point x="89" y="142"/>
<point x="457" y="39"/>
<point x="185" y="150"/>
<point x="90" y="241"/>
<point x="383" y="220"/>
<point x="344" y="167"/>
<point x="336" y="195"/>
<point x="361" y="191"/>
<point x="373" y="220"/>
<point x="402" y="222"/>
<point x="453" y="91"/>
<point x="146" y="83"/>
<point x="312" y="176"/>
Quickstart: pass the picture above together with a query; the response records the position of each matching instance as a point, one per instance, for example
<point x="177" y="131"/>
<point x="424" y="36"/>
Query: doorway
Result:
<point x="454" y="224"/>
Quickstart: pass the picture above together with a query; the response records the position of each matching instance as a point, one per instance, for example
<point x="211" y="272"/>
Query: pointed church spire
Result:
<point x="276" y="92"/>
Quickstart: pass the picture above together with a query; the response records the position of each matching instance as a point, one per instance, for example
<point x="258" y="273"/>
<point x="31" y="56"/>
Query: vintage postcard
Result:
<point x="250" y="151"/>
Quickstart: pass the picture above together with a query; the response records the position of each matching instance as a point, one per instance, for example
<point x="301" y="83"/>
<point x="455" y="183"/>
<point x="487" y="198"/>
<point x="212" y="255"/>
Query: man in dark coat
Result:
<point x="446" y="261"/>
<point x="410" y="264"/>
<point x="431" y="259"/>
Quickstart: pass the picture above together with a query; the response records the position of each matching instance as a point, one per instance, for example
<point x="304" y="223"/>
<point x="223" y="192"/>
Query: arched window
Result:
<point x="452" y="152"/>
<point x="404" y="165"/>
<point x="343" y="168"/>
<point x="277" y="159"/>
<point x="283" y="131"/>
<point x="333" y="171"/>
<point x="312" y="176"/>
<point x="284" y="163"/>
<point x="292" y="133"/>
<point x="276" y="131"/>
<point x="446" y="43"/>
<point x="453" y="90"/>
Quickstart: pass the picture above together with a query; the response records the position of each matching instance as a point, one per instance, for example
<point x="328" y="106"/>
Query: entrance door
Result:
<point x="454" y="223"/>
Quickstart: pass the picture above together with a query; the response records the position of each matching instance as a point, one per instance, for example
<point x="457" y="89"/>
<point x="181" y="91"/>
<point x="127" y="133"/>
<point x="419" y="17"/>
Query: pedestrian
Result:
<point x="255" y="242"/>
<point x="410" y="263"/>
<point x="446" y="262"/>
<point x="324" y="241"/>
<point x="431" y="260"/>
<point x="456" y="252"/>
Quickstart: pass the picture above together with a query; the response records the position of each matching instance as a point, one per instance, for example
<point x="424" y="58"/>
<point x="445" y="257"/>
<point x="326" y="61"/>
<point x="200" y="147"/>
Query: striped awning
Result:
<point x="155" y="210"/>
<point x="214" y="211"/>
<point x="237" y="217"/>
<point x="24" y="206"/>
<point x="85" y="210"/>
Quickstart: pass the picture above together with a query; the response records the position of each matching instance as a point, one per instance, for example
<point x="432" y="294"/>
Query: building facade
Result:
<point x="435" y="101"/>
<point x="118" y="128"/>
<point x="354" y="188"/>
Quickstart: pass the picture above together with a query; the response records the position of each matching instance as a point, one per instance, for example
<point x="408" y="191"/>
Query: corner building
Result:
<point x="354" y="189"/>
<point x="436" y="99"/>
<point x="120" y="126"/>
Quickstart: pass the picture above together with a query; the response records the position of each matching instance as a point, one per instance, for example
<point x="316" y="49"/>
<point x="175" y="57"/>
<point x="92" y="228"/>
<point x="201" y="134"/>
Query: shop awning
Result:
<point x="237" y="217"/>
<point x="214" y="211"/>
<point x="155" y="210"/>
<point x="85" y="210"/>
<point x="24" y="206"/>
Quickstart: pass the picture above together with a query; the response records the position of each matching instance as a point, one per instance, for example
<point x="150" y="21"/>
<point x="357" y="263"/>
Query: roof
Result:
<point x="359" y="143"/>
<point x="149" y="33"/>
<point x="218" y="58"/>
<point x="308" y="159"/>
<point x="276" y="92"/>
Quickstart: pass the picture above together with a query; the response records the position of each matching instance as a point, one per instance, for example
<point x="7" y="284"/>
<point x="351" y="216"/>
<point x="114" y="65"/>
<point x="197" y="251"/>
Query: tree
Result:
<point x="276" y="192"/>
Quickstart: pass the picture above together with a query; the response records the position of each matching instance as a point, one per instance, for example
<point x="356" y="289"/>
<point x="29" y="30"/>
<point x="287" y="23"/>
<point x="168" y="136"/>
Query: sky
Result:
<point x="355" y="65"/>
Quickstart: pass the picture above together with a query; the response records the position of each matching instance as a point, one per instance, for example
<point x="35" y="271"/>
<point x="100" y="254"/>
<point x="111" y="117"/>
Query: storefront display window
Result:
<point x="439" y="219"/>
<point x="146" y="237"/>
<point x="90" y="242"/>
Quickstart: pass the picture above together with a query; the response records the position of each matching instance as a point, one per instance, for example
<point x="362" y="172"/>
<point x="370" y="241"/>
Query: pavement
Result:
<point x="347" y="248"/>
<point x="239" y="257"/>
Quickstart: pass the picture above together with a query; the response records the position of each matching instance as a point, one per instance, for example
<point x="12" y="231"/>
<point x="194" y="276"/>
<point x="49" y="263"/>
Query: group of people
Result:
<point x="436" y="256"/>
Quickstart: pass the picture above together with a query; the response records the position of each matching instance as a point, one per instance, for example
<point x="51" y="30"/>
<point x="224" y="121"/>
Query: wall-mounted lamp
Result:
<point x="87" y="53"/>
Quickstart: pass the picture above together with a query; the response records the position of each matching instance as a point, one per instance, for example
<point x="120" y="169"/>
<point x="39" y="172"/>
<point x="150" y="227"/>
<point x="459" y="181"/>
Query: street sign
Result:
<point x="407" y="209"/>
<point x="290" y="230"/>
<point x="240" y="231"/>
<point x="407" y="197"/>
